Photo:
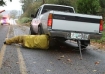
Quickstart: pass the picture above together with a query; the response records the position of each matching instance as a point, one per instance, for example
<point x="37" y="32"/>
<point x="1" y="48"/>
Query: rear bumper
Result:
<point x="64" y="35"/>
<point x="95" y="36"/>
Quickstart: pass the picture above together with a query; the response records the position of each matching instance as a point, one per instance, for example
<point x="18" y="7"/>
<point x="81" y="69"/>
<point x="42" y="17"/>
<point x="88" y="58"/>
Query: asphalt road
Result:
<point x="14" y="59"/>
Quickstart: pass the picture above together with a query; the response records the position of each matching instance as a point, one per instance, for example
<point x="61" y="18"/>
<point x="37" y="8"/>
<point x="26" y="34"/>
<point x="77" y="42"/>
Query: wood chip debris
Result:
<point x="34" y="62"/>
<point x="96" y="63"/>
<point x="69" y="60"/>
<point x="59" y="58"/>
<point x="62" y="56"/>
<point x="94" y="70"/>
<point x="48" y="70"/>
<point x="17" y="62"/>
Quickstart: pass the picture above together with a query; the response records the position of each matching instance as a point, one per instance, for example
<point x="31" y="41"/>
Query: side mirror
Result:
<point x="32" y="15"/>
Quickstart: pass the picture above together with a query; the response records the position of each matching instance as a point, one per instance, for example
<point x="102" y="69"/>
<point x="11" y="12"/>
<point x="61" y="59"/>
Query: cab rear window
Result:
<point x="47" y="8"/>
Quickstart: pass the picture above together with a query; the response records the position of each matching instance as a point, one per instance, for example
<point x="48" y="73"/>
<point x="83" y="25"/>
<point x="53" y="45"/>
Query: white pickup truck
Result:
<point x="60" y="21"/>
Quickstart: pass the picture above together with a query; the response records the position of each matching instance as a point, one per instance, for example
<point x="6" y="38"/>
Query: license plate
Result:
<point x="78" y="36"/>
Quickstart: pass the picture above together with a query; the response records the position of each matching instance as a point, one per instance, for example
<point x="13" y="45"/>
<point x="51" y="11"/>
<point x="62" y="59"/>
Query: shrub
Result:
<point x="24" y="20"/>
<point x="88" y="6"/>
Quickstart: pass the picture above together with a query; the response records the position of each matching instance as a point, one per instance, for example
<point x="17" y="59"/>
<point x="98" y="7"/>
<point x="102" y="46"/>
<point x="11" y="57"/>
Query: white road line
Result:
<point x="22" y="65"/>
<point x="2" y="53"/>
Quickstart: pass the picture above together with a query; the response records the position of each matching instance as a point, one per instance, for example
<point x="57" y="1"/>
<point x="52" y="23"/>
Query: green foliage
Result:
<point x="50" y="1"/>
<point x="73" y="3"/>
<point x="102" y="3"/>
<point x="102" y="10"/>
<point x="61" y="2"/>
<point x="104" y="26"/>
<point x="2" y="2"/>
<point x="31" y="9"/>
<point x="26" y="4"/>
<point x="24" y="20"/>
<point x="30" y="6"/>
<point x="88" y="6"/>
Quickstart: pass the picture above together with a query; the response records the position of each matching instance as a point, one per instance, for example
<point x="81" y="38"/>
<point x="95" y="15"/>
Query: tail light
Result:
<point x="49" y="22"/>
<point x="101" y="25"/>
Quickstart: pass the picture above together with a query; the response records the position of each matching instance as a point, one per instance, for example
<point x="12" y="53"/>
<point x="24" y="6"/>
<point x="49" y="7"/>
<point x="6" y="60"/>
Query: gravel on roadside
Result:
<point x="100" y="46"/>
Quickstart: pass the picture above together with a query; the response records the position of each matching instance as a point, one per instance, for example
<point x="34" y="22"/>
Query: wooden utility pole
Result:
<point x="43" y="1"/>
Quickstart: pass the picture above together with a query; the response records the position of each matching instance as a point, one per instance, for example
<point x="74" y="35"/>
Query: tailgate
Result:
<point x="76" y="22"/>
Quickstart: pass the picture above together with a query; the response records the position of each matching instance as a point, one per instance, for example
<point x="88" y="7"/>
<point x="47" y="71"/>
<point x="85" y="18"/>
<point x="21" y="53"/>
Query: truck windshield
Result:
<point x="47" y="8"/>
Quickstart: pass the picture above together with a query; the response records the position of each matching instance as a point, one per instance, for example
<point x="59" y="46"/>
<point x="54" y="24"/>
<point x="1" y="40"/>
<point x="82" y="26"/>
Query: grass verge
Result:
<point x="24" y="21"/>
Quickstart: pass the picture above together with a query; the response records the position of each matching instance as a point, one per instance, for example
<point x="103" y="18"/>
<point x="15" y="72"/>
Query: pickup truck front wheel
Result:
<point x="31" y="32"/>
<point x="84" y="43"/>
<point x="1" y="24"/>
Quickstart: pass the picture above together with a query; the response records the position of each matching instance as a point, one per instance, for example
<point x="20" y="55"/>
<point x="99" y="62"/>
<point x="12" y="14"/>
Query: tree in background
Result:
<point x="13" y="14"/>
<point x="73" y="3"/>
<point x="2" y="2"/>
<point x="81" y="6"/>
<point x="31" y="9"/>
<point x="26" y="4"/>
<point x="50" y="1"/>
<point x="102" y="4"/>
<point x="30" y="6"/>
<point x="63" y="2"/>
<point x="88" y="6"/>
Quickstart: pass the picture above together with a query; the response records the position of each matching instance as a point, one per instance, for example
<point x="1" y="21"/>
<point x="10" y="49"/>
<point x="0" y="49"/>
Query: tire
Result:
<point x="31" y="32"/>
<point x="40" y="31"/>
<point x="84" y="43"/>
<point x="1" y="23"/>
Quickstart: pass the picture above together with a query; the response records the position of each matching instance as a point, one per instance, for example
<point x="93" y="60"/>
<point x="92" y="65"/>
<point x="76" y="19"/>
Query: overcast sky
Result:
<point x="14" y="5"/>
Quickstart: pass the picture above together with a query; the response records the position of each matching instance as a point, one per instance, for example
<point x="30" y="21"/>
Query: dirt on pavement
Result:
<point x="100" y="46"/>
